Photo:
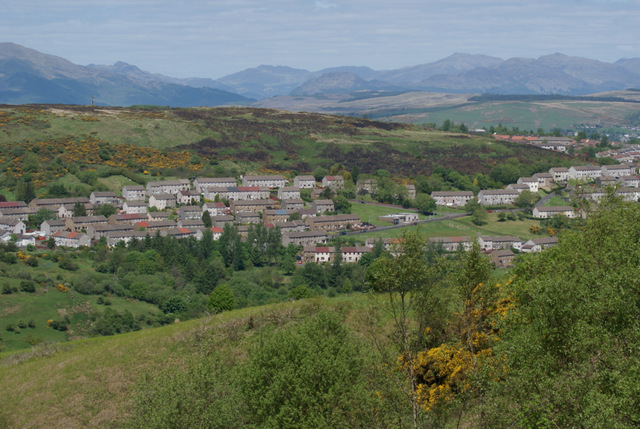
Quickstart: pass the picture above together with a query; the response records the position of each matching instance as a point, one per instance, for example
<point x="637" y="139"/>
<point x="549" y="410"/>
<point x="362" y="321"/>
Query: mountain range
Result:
<point x="29" y="76"/>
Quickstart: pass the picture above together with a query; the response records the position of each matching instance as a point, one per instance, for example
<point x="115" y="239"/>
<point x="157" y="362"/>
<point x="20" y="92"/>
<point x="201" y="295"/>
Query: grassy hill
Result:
<point x="241" y="140"/>
<point x="91" y="383"/>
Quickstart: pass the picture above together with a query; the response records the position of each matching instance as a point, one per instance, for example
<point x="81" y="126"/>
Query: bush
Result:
<point x="27" y="286"/>
<point x="68" y="264"/>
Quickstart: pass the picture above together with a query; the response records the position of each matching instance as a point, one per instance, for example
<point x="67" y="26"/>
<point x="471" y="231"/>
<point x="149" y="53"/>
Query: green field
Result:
<point x="462" y="227"/>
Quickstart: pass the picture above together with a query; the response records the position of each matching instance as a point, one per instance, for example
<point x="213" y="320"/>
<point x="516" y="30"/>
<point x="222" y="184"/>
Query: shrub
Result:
<point x="27" y="286"/>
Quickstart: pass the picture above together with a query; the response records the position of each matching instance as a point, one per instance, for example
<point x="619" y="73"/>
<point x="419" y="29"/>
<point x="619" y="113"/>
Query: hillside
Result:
<point x="471" y="350"/>
<point x="253" y="140"/>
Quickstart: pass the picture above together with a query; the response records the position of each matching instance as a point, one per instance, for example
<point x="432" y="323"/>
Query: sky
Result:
<point x="215" y="38"/>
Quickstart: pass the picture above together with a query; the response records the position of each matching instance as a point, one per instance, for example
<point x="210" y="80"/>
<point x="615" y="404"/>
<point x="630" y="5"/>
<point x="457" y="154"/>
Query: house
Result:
<point x="632" y="181"/>
<point x="399" y="218"/>
<point x="333" y="182"/>
<point x="558" y="144"/>
<point x="619" y="170"/>
<point x="518" y="187"/>
<point x="411" y="191"/>
<point x="48" y="227"/>
<point x="293" y="226"/>
<point x="304" y="182"/>
<point x="353" y="254"/>
<point x="304" y="238"/>
<point x="23" y="240"/>
<point x="267" y="181"/>
<point x="502" y="258"/>
<point x="251" y="205"/>
<point x="488" y="242"/>
<point x="549" y="212"/>
<point x="202" y="183"/>
<point x="220" y="221"/>
<point x="156" y="216"/>
<point x="83" y="222"/>
<point x="189" y="212"/>
<point x="322" y="206"/>
<point x="191" y="224"/>
<point x="215" y="231"/>
<point x="318" y="254"/>
<point x="96" y="232"/>
<point x="248" y="217"/>
<point x="19" y="213"/>
<point x="187" y="197"/>
<point x="179" y="233"/>
<point x="545" y="180"/>
<point x="531" y="182"/>
<point x="67" y="210"/>
<point x="215" y="209"/>
<point x="54" y="203"/>
<point x="277" y="215"/>
<point x="451" y="244"/>
<point x="14" y="226"/>
<point x="108" y="197"/>
<point x="539" y="244"/>
<point x="113" y="238"/>
<point x="497" y="197"/>
<point x="332" y="223"/>
<point x="288" y="193"/>
<point x="162" y="201"/>
<point x="452" y="198"/>
<point x="71" y="239"/>
<point x="134" y="193"/>
<point x="155" y="225"/>
<point x="12" y="204"/>
<point x="131" y="219"/>
<point x="293" y="204"/>
<point x="168" y="186"/>
<point x="584" y="172"/>
<point x="134" y="207"/>
<point x="560" y="174"/>
<point x="367" y="186"/>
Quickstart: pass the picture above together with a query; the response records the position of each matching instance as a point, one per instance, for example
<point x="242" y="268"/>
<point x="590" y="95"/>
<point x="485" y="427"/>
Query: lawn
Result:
<point x="462" y="226"/>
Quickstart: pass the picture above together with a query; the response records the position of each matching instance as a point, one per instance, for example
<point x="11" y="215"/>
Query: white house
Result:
<point x="549" y="212"/>
<point x="304" y="182"/>
<point x="162" y="201"/>
<point x="452" y="198"/>
<point x="134" y="192"/>
<point x="497" y="197"/>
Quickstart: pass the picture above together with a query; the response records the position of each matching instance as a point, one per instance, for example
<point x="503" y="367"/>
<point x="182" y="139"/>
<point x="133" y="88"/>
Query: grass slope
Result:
<point x="254" y="139"/>
<point x="90" y="383"/>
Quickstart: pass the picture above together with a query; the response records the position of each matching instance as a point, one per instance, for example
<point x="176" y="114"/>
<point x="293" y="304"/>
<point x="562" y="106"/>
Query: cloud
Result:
<point x="324" y="5"/>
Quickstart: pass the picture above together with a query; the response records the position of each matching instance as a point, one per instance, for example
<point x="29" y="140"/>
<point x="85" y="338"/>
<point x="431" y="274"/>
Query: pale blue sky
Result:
<point x="213" y="38"/>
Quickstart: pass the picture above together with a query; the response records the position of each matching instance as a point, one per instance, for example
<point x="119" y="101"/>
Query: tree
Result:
<point x="79" y="210"/>
<point x="526" y="200"/>
<point x="569" y="347"/>
<point x="342" y="205"/>
<point x="221" y="299"/>
<point x="425" y="204"/>
<point x="105" y="210"/>
<point x="400" y="278"/>
<point x="40" y="216"/>
<point x="25" y="190"/>
<point x="308" y="375"/>
<point x="206" y="219"/>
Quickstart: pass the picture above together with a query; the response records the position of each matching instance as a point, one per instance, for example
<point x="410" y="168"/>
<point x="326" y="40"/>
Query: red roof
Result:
<point x="143" y="224"/>
<point x="185" y="230"/>
<point x="10" y="204"/>
<point x="217" y="229"/>
<point x="322" y="249"/>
